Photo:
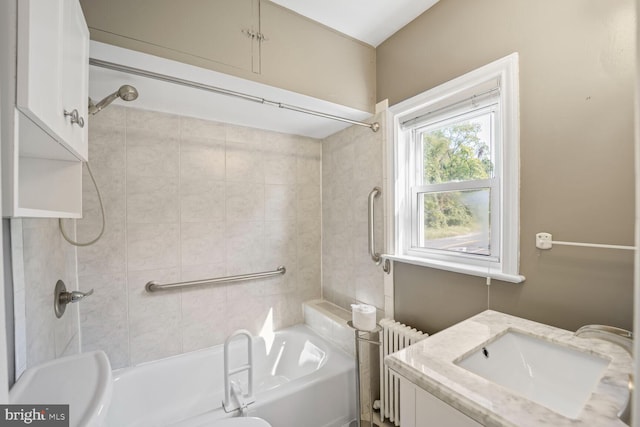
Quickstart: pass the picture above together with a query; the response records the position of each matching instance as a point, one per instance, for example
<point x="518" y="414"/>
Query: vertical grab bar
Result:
<point x="228" y="405"/>
<point x="375" y="256"/>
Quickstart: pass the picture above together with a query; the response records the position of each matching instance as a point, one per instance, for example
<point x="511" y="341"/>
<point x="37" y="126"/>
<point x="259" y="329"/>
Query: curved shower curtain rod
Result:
<point x="189" y="83"/>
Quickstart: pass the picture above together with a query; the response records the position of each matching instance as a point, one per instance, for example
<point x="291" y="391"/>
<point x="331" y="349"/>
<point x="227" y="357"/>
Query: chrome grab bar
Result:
<point x="375" y="256"/>
<point x="153" y="286"/>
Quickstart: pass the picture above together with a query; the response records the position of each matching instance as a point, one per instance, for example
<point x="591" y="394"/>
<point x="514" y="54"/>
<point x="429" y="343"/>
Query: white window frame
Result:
<point x="505" y="265"/>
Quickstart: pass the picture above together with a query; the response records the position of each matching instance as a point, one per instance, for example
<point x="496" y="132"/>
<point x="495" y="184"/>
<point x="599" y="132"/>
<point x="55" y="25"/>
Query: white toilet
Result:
<point x="242" y="422"/>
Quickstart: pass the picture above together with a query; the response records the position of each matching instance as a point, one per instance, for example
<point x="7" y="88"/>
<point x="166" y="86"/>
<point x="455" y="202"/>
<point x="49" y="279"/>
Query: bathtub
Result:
<point x="300" y="380"/>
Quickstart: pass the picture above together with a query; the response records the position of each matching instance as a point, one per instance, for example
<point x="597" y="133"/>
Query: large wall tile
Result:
<point x="280" y="168"/>
<point x="202" y="129"/>
<point x="202" y="199"/>
<point x="200" y="158"/>
<point x="112" y="192"/>
<point x="152" y="246"/>
<point x="108" y="254"/>
<point x="104" y="317"/>
<point x="245" y="248"/>
<point x="151" y="154"/>
<point x="202" y="243"/>
<point x="244" y="162"/>
<point x="164" y="124"/>
<point x="204" y="313"/>
<point x="152" y="200"/>
<point x="154" y="319"/>
<point x="280" y="202"/>
<point x="244" y="201"/>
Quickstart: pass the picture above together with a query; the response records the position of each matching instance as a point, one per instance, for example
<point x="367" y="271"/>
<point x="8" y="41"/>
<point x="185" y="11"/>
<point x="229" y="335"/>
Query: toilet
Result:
<point x="242" y="422"/>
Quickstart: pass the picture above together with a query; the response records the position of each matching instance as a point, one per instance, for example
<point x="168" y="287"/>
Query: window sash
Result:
<point x="443" y="110"/>
<point x="495" y="143"/>
<point x="414" y="223"/>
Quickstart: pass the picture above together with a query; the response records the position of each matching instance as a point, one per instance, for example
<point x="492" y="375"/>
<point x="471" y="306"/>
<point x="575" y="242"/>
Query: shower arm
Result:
<point x="96" y="108"/>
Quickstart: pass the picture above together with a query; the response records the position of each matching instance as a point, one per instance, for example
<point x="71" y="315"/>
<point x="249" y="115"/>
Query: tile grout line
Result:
<point x="126" y="237"/>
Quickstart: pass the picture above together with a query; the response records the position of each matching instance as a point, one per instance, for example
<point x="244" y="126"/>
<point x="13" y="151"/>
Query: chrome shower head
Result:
<point x="126" y="93"/>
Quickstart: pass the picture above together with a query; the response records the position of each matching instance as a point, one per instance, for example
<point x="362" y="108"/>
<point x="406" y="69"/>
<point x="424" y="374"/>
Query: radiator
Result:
<point x="394" y="336"/>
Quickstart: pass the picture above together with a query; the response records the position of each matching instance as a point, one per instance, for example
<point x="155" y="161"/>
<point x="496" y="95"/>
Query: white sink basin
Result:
<point x="558" y="377"/>
<point x="82" y="381"/>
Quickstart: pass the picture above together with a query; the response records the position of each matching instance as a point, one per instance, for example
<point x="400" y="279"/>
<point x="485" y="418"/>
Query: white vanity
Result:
<point x="499" y="370"/>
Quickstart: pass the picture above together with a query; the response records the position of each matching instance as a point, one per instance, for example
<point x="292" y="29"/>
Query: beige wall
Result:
<point x="577" y="180"/>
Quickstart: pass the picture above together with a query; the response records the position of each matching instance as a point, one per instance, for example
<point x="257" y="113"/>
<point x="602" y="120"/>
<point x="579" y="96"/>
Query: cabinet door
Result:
<point x="431" y="411"/>
<point x="419" y="408"/>
<point x="186" y="30"/>
<point x="52" y="75"/>
<point x="39" y="67"/>
<point x="75" y="75"/>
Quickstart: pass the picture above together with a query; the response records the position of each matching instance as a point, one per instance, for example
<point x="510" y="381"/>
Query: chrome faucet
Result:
<point x="622" y="338"/>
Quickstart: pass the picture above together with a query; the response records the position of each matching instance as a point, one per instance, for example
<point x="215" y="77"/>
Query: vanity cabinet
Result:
<point x="419" y="408"/>
<point x="44" y="85"/>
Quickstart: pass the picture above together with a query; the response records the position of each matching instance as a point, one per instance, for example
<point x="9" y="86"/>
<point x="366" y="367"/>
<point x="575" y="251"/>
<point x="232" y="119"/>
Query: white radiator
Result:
<point x="394" y="336"/>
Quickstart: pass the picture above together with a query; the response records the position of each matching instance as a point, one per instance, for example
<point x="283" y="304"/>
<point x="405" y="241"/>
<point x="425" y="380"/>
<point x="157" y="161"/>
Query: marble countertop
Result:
<point x="430" y="365"/>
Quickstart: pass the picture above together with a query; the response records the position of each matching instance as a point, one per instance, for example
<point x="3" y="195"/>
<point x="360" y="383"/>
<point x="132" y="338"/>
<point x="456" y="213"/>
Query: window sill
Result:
<point x="457" y="268"/>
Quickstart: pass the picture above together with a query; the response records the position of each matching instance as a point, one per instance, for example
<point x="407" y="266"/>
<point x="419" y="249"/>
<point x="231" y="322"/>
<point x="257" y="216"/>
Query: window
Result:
<point x="457" y="174"/>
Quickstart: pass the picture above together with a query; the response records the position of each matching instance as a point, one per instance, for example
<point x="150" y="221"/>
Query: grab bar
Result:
<point x="375" y="256"/>
<point x="241" y="403"/>
<point x="154" y="286"/>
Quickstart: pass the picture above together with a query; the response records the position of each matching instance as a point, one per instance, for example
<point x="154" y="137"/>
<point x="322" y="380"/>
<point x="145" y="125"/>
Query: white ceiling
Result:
<point x="370" y="21"/>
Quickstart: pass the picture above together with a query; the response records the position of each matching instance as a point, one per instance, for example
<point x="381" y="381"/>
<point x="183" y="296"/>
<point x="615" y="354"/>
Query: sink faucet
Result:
<point x="622" y="338"/>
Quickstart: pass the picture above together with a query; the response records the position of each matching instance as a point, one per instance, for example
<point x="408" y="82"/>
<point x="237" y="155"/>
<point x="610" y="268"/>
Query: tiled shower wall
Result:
<point x="40" y="257"/>
<point x="189" y="199"/>
<point x="352" y="163"/>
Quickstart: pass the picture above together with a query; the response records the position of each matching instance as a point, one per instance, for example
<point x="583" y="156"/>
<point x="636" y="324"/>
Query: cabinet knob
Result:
<point x="249" y="33"/>
<point x="75" y="117"/>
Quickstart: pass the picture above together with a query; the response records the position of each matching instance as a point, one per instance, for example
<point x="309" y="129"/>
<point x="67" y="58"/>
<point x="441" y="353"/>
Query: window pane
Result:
<point x="459" y="150"/>
<point x="456" y="221"/>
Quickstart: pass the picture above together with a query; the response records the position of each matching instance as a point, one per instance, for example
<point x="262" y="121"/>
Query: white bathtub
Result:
<point x="300" y="380"/>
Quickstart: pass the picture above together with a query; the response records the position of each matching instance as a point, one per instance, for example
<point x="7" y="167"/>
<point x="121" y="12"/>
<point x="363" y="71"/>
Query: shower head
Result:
<point x="126" y="93"/>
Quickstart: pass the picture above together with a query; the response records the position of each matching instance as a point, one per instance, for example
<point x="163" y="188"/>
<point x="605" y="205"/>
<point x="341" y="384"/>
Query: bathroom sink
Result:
<point x="82" y="381"/>
<point x="555" y="376"/>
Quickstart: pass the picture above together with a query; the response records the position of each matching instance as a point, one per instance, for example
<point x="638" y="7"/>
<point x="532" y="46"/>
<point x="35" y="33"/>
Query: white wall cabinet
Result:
<point x="419" y="408"/>
<point x="46" y="48"/>
<point x="53" y="71"/>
